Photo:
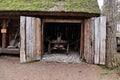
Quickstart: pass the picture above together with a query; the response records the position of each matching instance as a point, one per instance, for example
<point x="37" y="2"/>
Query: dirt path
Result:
<point x="11" y="69"/>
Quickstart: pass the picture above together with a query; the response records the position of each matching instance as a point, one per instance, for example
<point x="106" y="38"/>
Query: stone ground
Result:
<point x="12" y="69"/>
<point x="72" y="57"/>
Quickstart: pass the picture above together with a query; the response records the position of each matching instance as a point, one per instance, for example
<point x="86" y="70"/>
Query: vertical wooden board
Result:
<point x="22" y="39"/>
<point x="33" y="37"/>
<point x="28" y="24"/>
<point x="29" y="34"/>
<point x="93" y="36"/>
<point x="88" y="55"/>
<point x="38" y="39"/>
<point x="103" y="39"/>
<point x="97" y="40"/>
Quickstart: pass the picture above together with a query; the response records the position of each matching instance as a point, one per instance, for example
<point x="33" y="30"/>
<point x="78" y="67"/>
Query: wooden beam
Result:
<point x="9" y="17"/>
<point x="42" y="13"/>
<point x="63" y="20"/>
<point x="9" y="51"/>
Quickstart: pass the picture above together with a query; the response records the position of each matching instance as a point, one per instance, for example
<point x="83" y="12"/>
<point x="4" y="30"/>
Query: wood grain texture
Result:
<point x="97" y="41"/>
<point x="100" y="40"/>
<point x="88" y="55"/>
<point x="22" y="39"/>
<point x="30" y="39"/>
<point x="38" y="38"/>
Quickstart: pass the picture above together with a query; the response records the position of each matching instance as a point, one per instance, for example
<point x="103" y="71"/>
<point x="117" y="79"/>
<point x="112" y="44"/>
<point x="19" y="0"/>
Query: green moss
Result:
<point x="30" y="60"/>
<point x="90" y="6"/>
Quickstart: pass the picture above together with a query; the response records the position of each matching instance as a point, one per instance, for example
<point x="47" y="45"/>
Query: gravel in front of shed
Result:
<point x="71" y="57"/>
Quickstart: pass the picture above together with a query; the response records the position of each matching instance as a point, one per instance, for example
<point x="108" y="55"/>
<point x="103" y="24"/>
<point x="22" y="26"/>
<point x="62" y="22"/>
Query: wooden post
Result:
<point x="42" y="36"/>
<point x="81" y="40"/>
<point x="4" y="26"/>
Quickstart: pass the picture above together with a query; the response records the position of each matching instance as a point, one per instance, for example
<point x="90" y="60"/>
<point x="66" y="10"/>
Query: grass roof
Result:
<point x="90" y="6"/>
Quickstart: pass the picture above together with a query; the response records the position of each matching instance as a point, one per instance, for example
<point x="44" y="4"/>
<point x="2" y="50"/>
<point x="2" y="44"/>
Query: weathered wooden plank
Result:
<point x="93" y="36"/>
<point x="102" y="39"/>
<point x="38" y="40"/>
<point x="33" y="35"/>
<point x="88" y="55"/>
<point x="29" y="38"/>
<point x="97" y="40"/>
<point x="22" y="39"/>
<point x="30" y="32"/>
<point x="9" y="51"/>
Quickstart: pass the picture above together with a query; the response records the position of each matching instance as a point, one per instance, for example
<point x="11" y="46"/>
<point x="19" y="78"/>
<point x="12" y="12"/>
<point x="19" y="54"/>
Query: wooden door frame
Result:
<point x="66" y="21"/>
<point x="82" y="40"/>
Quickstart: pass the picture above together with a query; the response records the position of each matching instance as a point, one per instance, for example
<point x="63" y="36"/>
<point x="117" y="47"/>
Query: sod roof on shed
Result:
<point x="89" y="6"/>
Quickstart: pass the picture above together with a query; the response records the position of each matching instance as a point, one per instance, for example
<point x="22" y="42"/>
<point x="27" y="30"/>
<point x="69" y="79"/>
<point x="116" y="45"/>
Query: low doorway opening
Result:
<point x="62" y="41"/>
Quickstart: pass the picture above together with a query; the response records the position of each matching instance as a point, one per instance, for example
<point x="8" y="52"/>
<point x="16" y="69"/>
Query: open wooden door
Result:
<point x="30" y="34"/>
<point x="95" y="40"/>
<point x="99" y="27"/>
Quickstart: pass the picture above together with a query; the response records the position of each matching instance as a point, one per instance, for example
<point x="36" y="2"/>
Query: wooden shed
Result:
<point x="28" y="27"/>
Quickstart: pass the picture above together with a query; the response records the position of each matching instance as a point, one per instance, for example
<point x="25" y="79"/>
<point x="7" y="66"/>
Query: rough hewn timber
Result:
<point x="88" y="55"/>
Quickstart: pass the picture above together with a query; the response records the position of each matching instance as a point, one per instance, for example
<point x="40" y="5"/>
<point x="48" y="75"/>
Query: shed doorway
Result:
<point x="10" y="36"/>
<point x="62" y="41"/>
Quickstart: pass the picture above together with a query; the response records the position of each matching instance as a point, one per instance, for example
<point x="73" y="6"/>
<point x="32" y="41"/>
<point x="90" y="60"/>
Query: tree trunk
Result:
<point x="111" y="48"/>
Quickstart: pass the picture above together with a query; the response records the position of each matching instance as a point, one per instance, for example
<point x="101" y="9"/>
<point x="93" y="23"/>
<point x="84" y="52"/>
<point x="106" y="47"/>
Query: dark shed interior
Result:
<point x="10" y="40"/>
<point x="69" y="32"/>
